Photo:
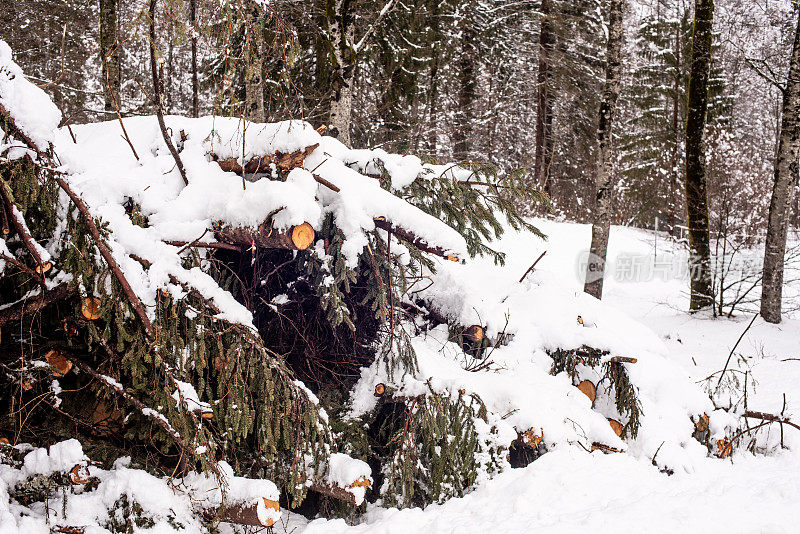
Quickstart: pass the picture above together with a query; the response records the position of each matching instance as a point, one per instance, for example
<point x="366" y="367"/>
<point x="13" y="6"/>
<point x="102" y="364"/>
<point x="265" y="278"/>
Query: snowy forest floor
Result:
<point x="572" y="491"/>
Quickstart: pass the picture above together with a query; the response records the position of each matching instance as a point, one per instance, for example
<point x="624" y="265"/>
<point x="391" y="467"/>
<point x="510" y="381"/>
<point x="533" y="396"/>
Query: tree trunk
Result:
<point x="254" y="59"/>
<point x="195" y="85"/>
<point x="595" y="268"/>
<point x="544" y="100"/>
<point x="109" y="54"/>
<point x="433" y="96"/>
<point x="467" y="87"/>
<point x="786" y="168"/>
<point x="340" y="32"/>
<point x="696" y="197"/>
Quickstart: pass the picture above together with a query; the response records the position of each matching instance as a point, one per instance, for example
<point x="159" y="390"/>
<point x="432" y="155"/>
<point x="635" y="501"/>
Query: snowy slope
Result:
<point x="569" y="490"/>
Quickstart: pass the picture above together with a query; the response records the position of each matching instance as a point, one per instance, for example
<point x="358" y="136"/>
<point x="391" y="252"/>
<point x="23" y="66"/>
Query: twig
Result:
<point x="733" y="349"/>
<point x="157" y="81"/>
<point x="532" y="266"/>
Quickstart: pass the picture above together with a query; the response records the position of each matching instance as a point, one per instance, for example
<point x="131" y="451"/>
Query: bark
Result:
<point x="254" y="62"/>
<point x="696" y="196"/>
<point x="109" y="54"/>
<point x="786" y="168"/>
<point x="195" y="84"/>
<point x="244" y="514"/>
<point x="544" y="100"/>
<point x="339" y="20"/>
<point x="466" y="89"/>
<point x="34" y="304"/>
<point x="413" y="240"/>
<point x="595" y="268"/>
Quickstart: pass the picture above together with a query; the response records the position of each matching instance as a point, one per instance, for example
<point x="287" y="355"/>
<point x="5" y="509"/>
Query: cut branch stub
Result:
<point x="79" y="475"/>
<point x="285" y="162"/>
<point x="58" y="362"/>
<point x="588" y="388"/>
<point x="380" y="389"/>
<point x="616" y="426"/>
<point x="298" y="237"/>
<point x="409" y="237"/>
<point x="702" y="423"/>
<point x="531" y="438"/>
<point x="256" y="514"/>
<point x="91" y="308"/>
<point x="474" y="333"/>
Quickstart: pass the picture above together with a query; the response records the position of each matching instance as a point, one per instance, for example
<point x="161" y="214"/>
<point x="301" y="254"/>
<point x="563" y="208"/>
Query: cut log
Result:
<point x="339" y="493"/>
<point x="588" y="388"/>
<point x="298" y="237"/>
<point x="380" y="389"/>
<point x="59" y="363"/>
<point x="256" y="514"/>
<point x="283" y="161"/>
<point x="409" y="237"/>
<point x="4" y="441"/>
<point x="474" y="333"/>
<point x="616" y="426"/>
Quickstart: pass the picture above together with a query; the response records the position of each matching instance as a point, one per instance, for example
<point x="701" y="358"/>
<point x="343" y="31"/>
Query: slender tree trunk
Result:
<point x="195" y="85"/>
<point x="254" y="59"/>
<point x="595" y="267"/>
<point x="467" y="87"/>
<point x="340" y="32"/>
<point x="544" y="100"/>
<point x="676" y="101"/>
<point x="109" y="54"/>
<point x="433" y="97"/>
<point x="696" y="197"/>
<point x="786" y="169"/>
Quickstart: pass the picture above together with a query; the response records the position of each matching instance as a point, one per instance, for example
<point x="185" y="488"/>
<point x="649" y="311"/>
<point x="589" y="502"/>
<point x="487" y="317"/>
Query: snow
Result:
<point x="344" y="471"/>
<point x="30" y="107"/>
<point x="568" y="489"/>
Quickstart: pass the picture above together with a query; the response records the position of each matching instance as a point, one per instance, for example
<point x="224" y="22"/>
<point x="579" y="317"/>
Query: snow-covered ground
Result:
<point x="568" y="490"/>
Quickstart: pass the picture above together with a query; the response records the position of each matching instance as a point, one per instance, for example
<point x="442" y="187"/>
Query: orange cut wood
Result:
<point x="59" y="363"/>
<point x="362" y="482"/>
<point x="724" y="448"/>
<point x="4" y="441"/>
<point x="91" y="308"/>
<point x="79" y="475"/>
<point x="207" y="415"/>
<point x="303" y="236"/>
<point x="380" y="389"/>
<point x="44" y="267"/>
<point x="616" y="426"/>
<point x="269" y="504"/>
<point x="702" y="423"/>
<point x="531" y="438"/>
<point x="474" y="333"/>
<point x="588" y="388"/>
